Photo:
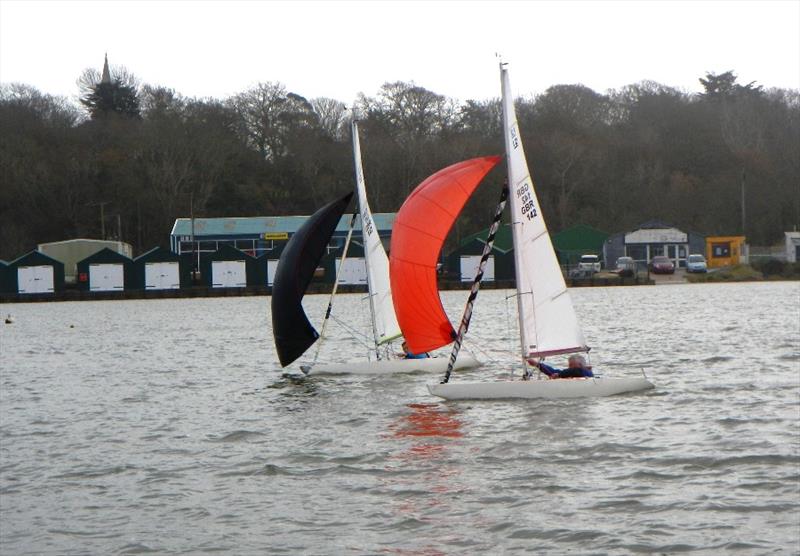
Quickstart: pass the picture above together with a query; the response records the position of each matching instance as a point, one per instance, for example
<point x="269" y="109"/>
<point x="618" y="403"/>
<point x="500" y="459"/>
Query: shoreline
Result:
<point x="74" y="294"/>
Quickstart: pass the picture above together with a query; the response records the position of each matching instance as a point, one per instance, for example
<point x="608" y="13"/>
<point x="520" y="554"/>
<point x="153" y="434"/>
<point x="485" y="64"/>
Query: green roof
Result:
<point x="503" y="241"/>
<point x="580" y="238"/>
<point x="257" y="225"/>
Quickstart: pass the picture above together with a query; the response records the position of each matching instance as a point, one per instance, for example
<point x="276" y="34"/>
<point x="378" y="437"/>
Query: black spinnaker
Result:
<point x="291" y="329"/>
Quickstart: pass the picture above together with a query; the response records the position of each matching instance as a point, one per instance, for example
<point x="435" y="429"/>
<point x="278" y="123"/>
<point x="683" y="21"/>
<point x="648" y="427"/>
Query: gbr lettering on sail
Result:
<point x="523" y="192"/>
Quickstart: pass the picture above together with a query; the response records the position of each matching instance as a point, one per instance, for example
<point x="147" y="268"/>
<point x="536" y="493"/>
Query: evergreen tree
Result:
<point x="106" y="94"/>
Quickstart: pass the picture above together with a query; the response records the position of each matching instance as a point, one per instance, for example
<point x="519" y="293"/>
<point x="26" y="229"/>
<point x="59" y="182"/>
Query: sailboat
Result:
<point x="548" y="324"/>
<point x="384" y="321"/>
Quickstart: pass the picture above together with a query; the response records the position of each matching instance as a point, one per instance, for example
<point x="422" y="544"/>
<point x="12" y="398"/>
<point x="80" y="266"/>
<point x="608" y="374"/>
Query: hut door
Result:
<point x="106" y="277"/>
<point x="469" y="268"/>
<point x="228" y="274"/>
<point x="272" y="266"/>
<point x="35" y="279"/>
<point x="161" y="276"/>
<point x="354" y="271"/>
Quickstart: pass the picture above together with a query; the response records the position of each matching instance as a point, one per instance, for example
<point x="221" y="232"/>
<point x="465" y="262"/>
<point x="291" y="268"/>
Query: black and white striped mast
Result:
<point x="476" y="284"/>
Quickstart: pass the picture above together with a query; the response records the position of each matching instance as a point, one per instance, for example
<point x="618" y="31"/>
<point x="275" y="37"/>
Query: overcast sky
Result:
<point x="338" y="49"/>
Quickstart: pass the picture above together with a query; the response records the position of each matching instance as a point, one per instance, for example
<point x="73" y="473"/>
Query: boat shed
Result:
<point x="71" y="251"/>
<point x="651" y="239"/>
<point x="793" y="247"/>
<point x="229" y="267"/>
<point x="578" y="240"/>
<point x="35" y="273"/>
<point x="161" y="269"/>
<point x="462" y="262"/>
<point x="106" y="271"/>
<point x="261" y="235"/>
<point x="354" y="271"/>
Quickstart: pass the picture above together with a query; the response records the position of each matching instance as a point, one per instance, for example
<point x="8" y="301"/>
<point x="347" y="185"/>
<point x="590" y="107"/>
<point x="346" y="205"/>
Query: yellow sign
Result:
<point x="276" y="235"/>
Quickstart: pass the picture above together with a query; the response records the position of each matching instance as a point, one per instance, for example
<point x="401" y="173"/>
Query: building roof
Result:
<point x="579" y="238"/>
<point x="35" y="258"/>
<point x="257" y="225"/>
<point x="503" y="241"/>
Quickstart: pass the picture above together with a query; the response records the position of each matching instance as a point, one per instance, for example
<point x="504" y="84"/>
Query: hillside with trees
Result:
<point x="128" y="159"/>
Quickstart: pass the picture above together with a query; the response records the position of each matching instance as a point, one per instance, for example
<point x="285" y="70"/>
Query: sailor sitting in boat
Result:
<point x="408" y="354"/>
<point x="577" y="368"/>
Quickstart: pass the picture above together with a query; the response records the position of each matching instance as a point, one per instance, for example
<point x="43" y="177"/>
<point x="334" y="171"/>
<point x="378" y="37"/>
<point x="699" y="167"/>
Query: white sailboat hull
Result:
<point x="555" y="389"/>
<point x="391" y="366"/>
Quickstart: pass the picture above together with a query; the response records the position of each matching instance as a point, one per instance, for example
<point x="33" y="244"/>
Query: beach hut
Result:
<point x="161" y="269"/>
<point x="106" y="271"/>
<point x="229" y="267"/>
<point x="71" y="251"/>
<point x="35" y="273"/>
<point x="462" y="263"/>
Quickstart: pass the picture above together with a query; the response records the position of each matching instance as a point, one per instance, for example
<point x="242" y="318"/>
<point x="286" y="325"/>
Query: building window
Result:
<point x="336" y="244"/>
<point x="656" y="249"/>
<point x="720" y="250"/>
<point x="244" y="244"/>
<point x="636" y="252"/>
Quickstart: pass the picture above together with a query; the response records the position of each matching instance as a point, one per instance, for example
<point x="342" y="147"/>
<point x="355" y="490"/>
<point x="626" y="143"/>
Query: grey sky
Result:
<point x="338" y="49"/>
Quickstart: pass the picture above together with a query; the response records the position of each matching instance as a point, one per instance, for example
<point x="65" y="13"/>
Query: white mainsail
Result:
<point x="547" y="321"/>
<point x="384" y="320"/>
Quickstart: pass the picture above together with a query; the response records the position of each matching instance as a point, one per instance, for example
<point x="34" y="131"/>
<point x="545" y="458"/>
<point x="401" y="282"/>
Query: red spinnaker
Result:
<point x="418" y="233"/>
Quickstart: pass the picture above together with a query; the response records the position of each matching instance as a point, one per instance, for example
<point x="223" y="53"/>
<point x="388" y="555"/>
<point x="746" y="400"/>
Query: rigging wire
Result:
<point x="335" y="286"/>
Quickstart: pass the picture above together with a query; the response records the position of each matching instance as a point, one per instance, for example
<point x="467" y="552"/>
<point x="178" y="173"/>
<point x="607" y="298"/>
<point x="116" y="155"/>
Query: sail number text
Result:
<point x="514" y="138"/>
<point x="366" y="222"/>
<point x="527" y="206"/>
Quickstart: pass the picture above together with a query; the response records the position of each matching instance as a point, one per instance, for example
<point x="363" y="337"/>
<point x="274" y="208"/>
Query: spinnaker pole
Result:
<point x="476" y="284"/>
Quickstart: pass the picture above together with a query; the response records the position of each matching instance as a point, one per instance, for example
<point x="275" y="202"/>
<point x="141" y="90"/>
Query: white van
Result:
<point x="590" y="263"/>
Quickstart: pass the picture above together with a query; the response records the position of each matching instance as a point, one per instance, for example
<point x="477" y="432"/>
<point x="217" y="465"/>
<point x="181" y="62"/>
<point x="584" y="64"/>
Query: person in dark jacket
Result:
<point x="578" y="368"/>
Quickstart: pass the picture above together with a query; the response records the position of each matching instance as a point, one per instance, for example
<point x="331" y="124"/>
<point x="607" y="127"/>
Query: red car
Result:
<point x="662" y="265"/>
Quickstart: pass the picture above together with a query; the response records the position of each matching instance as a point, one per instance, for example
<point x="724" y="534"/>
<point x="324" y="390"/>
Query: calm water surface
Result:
<point x="167" y="426"/>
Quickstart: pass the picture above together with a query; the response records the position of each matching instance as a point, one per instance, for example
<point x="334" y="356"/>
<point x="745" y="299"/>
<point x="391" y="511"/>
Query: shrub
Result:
<point x="770" y="267"/>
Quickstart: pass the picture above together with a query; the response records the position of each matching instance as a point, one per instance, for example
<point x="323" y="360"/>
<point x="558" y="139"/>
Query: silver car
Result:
<point x="696" y="263"/>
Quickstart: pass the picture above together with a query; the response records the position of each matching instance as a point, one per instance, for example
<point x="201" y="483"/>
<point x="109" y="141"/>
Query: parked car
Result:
<point x="662" y="265"/>
<point x="590" y="263"/>
<point x="696" y="263"/>
<point x="626" y="266"/>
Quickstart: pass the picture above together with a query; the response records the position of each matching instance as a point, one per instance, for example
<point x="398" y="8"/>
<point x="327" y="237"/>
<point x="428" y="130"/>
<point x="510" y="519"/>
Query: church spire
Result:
<point x="106" y="74"/>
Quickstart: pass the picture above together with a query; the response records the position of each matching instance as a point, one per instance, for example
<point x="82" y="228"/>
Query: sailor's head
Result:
<point x="577" y="361"/>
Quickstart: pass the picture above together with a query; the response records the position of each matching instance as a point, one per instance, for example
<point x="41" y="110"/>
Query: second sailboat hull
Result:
<point x="561" y="388"/>
<point x="391" y="366"/>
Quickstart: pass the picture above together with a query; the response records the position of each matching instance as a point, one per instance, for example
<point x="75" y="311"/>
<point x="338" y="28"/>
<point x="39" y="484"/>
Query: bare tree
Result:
<point x="332" y="117"/>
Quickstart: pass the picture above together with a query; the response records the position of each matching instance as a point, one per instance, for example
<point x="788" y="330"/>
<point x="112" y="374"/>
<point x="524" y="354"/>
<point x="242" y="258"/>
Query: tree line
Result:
<point x="130" y="158"/>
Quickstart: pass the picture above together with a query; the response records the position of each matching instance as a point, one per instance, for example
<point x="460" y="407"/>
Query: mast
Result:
<point x="360" y="185"/>
<point x="384" y="319"/>
<point x="548" y="324"/>
<point x="511" y="142"/>
<point x="476" y="284"/>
